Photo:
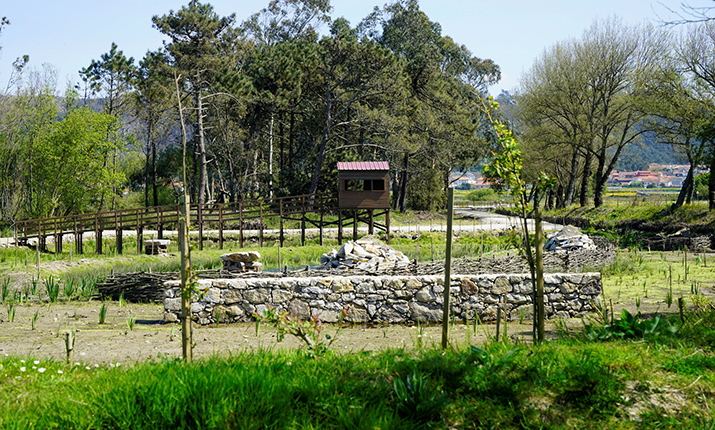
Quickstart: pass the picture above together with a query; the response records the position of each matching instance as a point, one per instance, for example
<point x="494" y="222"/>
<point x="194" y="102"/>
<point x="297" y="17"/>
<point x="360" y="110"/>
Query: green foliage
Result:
<point x="418" y="399"/>
<point x="629" y="326"/>
<point x="52" y="287"/>
<point x="590" y="384"/>
<point x="481" y="195"/>
<point x="310" y="332"/>
<point x="103" y="313"/>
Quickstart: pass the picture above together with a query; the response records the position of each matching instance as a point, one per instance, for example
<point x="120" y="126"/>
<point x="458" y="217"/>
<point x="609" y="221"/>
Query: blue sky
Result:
<point x="68" y="34"/>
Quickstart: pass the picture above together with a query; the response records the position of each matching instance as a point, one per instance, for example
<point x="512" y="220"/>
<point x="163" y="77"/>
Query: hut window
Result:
<point x="353" y="185"/>
<point x="374" y="185"/>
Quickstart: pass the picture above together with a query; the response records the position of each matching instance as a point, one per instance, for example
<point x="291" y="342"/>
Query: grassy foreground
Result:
<point x="661" y="380"/>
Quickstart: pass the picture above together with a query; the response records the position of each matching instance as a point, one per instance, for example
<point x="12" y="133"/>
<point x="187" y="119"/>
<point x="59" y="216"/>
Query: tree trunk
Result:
<point x="403" y="183"/>
<point x="685" y="190"/>
<point x="711" y="182"/>
<point x="201" y="150"/>
<point x="583" y="198"/>
<point x="270" y="156"/>
<point x="568" y="196"/>
<point x="539" y="245"/>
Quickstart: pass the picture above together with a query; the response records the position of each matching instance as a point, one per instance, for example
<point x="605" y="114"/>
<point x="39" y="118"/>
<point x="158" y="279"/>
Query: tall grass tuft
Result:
<point x="69" y="289"/>
<point x="35" y="317"/>
<point x="11" y="311"/>
<point x="131" y="320"/>
<point x="4" y="289"/>
<point x="103" y="313"/>
<point x="52" y="286"/>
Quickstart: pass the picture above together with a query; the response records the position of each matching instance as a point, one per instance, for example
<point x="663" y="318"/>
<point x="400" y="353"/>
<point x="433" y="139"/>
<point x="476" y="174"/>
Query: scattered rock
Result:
<point x="567" y="239"/>
<point x="242" y="261"/>
<point x="368" y="253"/>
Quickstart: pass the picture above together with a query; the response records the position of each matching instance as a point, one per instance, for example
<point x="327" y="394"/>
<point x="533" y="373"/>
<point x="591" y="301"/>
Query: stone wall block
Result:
<point x="327" y="316"/>
<point x="425" y="295"/>
<point x="374" y="298"/>
<point x="232" y="296"/>
<point x="172" y="304"/>
<point x="388" y="314"/>
<point x="517" y="299"/>
<point x="213" y="296"/>
<point x="236" y="284"/>
<point x="567" y="287"/>
<point x="403" y="294"/>
<point x="365" y="287"/>
<point x="342" y="285"/>
<point x="592" y="287"/>
<point x="413" y="283"/>
<point x="357" y="314"/>
<point x="551" y="278"/>
<point x="501" y="286"/>
<point x="260" y="295"/>
<point x="280" y="296"/>
<point x="299" y="308"/>
<point x="234" y="311"/>
<point x="468" y="287"/>
<point x="425" y="313"/>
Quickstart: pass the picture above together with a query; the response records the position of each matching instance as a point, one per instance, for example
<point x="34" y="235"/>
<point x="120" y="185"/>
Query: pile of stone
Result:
<point x="242" y="261"/>
<point x="569" y="238"/>
<point x="368" y="254"/>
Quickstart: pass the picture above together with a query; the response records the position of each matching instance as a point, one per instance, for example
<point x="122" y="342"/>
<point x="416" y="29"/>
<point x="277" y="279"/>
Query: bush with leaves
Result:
<point x="310" y="331"/>
<point x="629" y="326"/>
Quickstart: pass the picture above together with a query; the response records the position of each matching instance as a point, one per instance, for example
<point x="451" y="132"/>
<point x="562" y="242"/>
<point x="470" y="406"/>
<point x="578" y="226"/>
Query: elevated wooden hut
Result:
<point x="364" y="186"/>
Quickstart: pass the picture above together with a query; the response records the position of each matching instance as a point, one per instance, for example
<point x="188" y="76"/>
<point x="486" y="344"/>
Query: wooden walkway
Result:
<point x="248" y="217"/>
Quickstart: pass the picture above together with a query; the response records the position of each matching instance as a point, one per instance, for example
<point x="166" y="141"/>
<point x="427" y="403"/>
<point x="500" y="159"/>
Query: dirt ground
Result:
<point x="150" y="338"/>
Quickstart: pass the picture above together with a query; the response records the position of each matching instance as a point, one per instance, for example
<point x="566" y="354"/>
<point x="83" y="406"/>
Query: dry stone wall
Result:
<point x="392" y="299"/>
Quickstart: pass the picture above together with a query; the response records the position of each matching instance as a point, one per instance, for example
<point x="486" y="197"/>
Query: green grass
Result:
<point x="568" y="383"/>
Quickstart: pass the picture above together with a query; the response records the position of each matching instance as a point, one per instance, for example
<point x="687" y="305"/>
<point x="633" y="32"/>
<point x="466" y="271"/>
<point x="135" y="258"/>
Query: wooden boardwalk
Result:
<point x="247" y="217"/>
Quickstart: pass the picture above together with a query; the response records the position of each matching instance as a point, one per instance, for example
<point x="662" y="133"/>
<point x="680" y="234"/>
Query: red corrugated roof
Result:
<point x="363" y="165"/>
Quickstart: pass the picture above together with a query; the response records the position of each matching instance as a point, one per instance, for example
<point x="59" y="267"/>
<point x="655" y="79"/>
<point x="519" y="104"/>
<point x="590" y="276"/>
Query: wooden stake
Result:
<point x="186" y="339"/>
<point x="447" y="269"/>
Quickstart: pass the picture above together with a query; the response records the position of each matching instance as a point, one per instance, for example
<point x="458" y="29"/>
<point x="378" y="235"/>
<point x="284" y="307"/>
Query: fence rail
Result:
<point x="247" y="216"/>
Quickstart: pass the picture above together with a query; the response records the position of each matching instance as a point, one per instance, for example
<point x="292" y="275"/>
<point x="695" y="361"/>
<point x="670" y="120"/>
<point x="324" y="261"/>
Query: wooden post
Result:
<point x="340" y="226"/>
<point x="220" y="226"/>
<point x="140" y="232"/>
<point x="302" y="221"/>
<point x="447" y="269"/>
<point x="240" y="224"/>
<point x="185" y="280"/>
<point x="387" y="226"/>
<point x="280" y="236"/>
<point x="119" y="233"/>
<point x="260" y="224"/>
<point x="58" y="243"/>
<point x="371" y="224"/>
<point x="15" y="234"/>
<point x="160" y="224"/>
<point x="355" y="224"/>
<point x="320" y="225"/>
<point x="97" y="235"/>
<point x="199" y="209"/>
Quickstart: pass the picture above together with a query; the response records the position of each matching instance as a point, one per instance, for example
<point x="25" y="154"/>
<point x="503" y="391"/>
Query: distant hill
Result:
<point x="638" y="156"/>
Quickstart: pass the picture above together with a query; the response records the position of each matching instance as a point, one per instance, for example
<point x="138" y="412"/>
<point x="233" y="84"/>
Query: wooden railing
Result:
<point x="246" y="216"/>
